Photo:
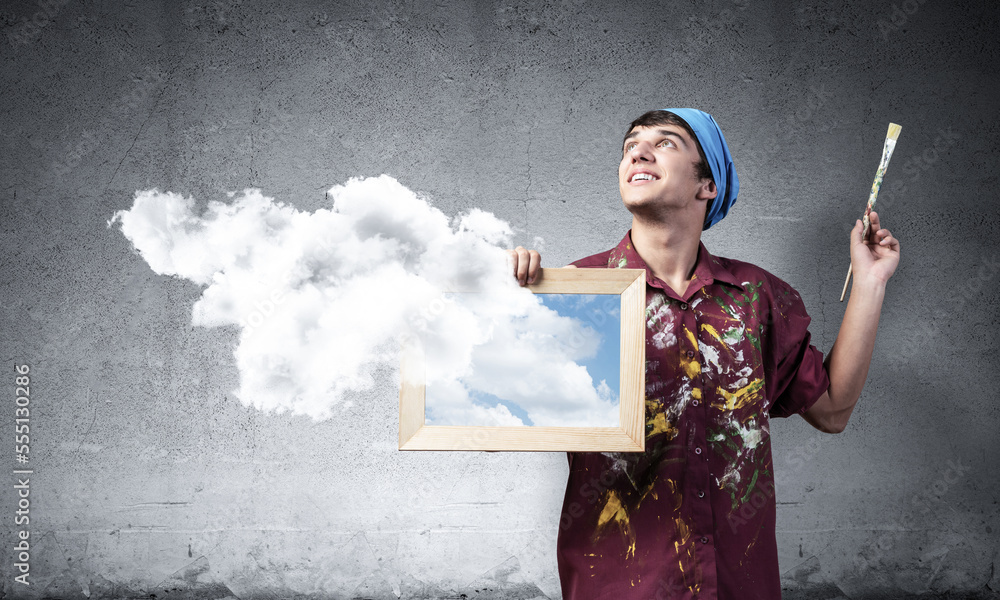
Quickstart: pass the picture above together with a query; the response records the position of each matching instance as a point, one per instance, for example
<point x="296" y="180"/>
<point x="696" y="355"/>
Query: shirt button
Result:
<point x="701" y="494"/>
<point x="684" y="306"/>
<point x="689" y="353"/>
<point x="695" y="402"/>
<point x="704" y="540"/>
<point x="697" y="450"/>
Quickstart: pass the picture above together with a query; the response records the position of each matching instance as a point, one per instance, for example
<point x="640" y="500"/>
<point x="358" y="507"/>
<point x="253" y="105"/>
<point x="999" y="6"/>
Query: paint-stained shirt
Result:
<point x="694" y="515"/>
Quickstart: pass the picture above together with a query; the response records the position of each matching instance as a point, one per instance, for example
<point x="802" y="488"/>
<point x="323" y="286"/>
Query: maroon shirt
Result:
<point x="694" y="515"/>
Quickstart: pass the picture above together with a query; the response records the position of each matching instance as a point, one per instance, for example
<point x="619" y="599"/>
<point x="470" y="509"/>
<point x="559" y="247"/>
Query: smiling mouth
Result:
<point x="642" y="177"/>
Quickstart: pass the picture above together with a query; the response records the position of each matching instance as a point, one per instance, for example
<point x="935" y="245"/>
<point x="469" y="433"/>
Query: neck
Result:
<point x="670" y="249"/>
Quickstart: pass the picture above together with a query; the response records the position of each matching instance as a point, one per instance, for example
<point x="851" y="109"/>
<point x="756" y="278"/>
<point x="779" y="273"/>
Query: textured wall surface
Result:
<point x="151" y="479"/>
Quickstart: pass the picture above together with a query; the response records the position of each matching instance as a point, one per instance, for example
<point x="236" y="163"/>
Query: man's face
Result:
<point x="658" y="170"/>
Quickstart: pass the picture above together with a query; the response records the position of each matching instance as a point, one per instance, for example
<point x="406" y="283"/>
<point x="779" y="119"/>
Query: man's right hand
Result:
<point x="525" y="264"/>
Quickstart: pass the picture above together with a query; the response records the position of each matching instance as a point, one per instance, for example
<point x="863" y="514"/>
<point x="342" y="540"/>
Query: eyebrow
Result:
<point x="662" y="132"/>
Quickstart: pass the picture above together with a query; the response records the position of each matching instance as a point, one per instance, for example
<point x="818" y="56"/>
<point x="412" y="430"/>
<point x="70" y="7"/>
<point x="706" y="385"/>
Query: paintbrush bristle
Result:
<point x="893" y="132"/>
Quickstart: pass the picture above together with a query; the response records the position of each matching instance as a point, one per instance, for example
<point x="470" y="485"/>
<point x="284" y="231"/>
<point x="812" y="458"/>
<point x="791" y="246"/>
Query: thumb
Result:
<point x="857" y="233"/>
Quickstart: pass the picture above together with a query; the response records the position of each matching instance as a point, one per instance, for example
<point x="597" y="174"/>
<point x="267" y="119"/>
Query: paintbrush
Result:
<point x="890" y="144"/>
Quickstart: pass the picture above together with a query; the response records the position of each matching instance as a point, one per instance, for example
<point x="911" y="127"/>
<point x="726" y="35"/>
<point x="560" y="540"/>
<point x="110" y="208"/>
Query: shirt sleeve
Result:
<point x="800" y="377"/>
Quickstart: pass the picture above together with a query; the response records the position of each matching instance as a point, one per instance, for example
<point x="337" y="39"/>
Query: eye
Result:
<point x="667" y="143"/>
<point x="629" y="146"/>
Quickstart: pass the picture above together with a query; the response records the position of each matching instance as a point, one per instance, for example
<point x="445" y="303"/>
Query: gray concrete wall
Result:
<point x="150" y="478"/>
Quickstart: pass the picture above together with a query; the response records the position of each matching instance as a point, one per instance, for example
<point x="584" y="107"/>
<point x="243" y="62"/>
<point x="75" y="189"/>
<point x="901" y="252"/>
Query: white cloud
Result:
<point x="318" y="295"/>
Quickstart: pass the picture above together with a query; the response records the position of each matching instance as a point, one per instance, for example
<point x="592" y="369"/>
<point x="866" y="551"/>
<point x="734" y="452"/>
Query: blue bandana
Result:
<point x="721" y="162"/>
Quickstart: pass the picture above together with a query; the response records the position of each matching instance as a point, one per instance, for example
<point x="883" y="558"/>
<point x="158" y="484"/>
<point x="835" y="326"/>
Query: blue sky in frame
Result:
<point x="602" y="313"/>
<point x="599" y="312"/>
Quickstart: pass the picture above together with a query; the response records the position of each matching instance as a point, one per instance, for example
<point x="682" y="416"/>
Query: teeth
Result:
<point x="639" y="176"/>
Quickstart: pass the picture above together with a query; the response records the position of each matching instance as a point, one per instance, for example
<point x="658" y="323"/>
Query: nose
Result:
<point x="641" y="151"/>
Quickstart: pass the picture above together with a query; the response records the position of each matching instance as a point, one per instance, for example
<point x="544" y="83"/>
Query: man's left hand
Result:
<point x="525" y="264"/>
<point x="874" y="258"/>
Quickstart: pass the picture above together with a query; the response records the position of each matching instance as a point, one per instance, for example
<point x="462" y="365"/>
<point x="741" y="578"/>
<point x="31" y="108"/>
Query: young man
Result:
<point x="727" y="348"/>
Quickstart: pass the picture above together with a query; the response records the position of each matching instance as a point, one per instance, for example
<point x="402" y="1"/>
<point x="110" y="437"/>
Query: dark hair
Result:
<point x="665" y="117"/>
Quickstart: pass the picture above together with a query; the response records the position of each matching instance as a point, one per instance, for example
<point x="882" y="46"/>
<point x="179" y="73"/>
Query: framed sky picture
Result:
<point x="565" y="372"/>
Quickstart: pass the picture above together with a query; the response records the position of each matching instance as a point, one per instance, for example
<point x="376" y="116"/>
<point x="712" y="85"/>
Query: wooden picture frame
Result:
<point x="629" y="436"/>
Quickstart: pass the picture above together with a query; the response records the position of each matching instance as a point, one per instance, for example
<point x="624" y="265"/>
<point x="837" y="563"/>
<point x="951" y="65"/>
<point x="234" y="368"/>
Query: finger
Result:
<point x="857" y="234"/>
<point x="887" y="240"/>
<point x="535" y="262"/>
<point x="523" y="262"/>
<point x="876" y="224"/>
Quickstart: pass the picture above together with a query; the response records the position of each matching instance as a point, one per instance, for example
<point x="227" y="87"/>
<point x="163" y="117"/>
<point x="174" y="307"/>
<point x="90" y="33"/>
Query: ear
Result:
<point x="707" y="190"/>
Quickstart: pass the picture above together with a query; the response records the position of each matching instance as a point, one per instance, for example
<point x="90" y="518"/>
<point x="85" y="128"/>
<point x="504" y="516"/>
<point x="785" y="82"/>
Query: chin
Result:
<point x="640" y="205"/>
<point x="641" y="200"/>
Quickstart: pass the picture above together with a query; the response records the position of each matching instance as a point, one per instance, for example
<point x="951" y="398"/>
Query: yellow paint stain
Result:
<point x="691" y="366"/>
<point x="690" y="336"/>
<point x="710" y="330"/>
<point x="683" y="530"/>
<point x="741" y="397"/>
<point x="687" y="562"/>
<point x="614" y="512"/>
<point x="677" y="497"/>
<point x="662" y="425"/>
<point x="696" y="393"/>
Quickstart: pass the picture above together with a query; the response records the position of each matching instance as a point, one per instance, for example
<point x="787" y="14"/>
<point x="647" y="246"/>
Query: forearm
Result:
<point x="872" y="263"/>
<point x="848" y="361"/>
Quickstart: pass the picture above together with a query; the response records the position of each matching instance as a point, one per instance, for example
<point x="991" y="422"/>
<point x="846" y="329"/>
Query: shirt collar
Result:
<point x="708" y="269"/>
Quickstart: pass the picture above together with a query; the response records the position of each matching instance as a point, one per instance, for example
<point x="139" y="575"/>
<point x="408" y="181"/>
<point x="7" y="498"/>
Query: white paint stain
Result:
<point x="659" y="317"/>
<point x="664" y="340"/>
<point x="681" y="398"/>
<point x="752" y="435"/>
<point x="744" y="375"/>
<point x="711" y="355"/>
<point x="734" y="335"/>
